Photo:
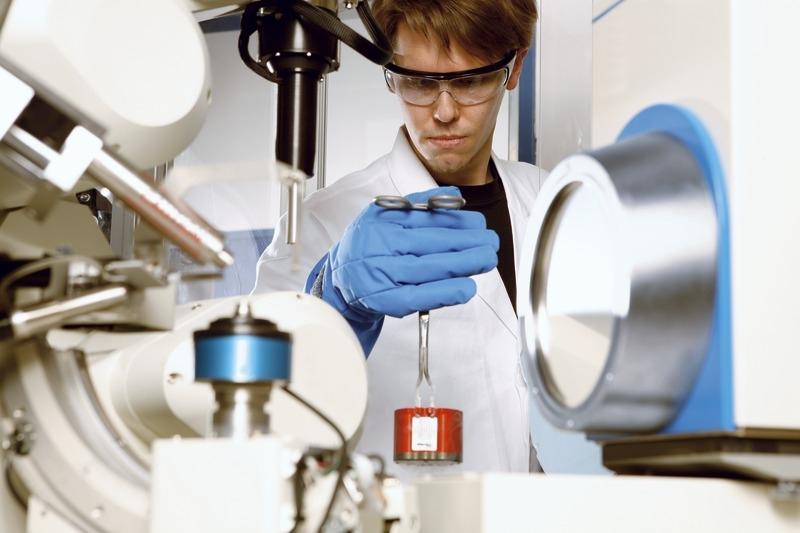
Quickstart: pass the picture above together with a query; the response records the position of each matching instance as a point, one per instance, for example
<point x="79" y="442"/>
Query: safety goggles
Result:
<point x="467" y="87"/>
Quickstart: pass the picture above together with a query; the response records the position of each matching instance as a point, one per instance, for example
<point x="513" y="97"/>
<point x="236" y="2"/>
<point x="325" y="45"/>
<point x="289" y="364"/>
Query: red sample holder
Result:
<point x="426" y="435"/>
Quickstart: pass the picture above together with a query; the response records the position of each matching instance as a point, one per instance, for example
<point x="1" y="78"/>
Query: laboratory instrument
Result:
<point x="298" y="43"/>
<point x="674" y="350"/>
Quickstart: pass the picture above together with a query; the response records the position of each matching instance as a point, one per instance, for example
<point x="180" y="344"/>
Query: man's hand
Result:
<point x="397" y="262"/>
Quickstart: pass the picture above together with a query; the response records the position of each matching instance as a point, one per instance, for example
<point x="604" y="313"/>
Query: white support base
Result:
<point x="522" y="503"/>
<point x="43" y="519"/>
<point x="213" y="485"/>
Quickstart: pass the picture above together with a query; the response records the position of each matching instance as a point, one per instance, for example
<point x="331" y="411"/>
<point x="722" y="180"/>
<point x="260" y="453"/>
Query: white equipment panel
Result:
<point x="523" y="503"/>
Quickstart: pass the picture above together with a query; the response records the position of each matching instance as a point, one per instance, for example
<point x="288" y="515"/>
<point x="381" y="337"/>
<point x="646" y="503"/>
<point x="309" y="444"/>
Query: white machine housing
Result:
<point x="138" y="69"/>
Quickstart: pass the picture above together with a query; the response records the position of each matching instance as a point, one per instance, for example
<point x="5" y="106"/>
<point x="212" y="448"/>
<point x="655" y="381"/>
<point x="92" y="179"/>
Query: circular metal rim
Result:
<point x="596" y="412"/>
<point x="561" y="183"/>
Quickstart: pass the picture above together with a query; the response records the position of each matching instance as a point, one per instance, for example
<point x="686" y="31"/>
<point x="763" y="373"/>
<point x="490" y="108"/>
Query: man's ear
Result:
<point x="516" y="70"/>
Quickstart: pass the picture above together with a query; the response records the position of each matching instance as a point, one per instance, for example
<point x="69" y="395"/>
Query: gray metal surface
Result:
<point x="322" y="132"/>
<point x="564" y="80"/>
<point x="294" y="198"/>
<point x="123" y="227"/>
<point x="43" y="317"/>
<point x="424" y="329"/>
<point x="4" y="7"/>
<point x="240" y="410"/>
<point x="663" y="226"/>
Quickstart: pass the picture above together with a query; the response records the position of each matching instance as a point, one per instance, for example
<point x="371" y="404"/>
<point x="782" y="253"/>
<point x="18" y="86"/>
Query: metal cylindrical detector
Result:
<point x="617" y="285"/>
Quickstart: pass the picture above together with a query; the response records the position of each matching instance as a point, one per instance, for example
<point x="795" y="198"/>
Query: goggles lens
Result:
<point x="467" y="88"/>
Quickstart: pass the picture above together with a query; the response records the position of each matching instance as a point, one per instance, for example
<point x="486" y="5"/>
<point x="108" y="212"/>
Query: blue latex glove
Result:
<point x="395" y="262"/>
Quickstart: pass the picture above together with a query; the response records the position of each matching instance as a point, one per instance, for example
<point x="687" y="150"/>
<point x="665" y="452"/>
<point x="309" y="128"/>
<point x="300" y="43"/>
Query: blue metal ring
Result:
<point x="242" y="359"/>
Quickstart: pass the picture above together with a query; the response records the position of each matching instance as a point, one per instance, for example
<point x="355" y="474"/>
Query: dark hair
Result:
<point x="485" y="28"/>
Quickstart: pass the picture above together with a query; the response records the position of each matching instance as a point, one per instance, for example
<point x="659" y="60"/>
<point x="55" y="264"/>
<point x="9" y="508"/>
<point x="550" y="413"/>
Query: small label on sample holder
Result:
<point x="424" y="434"/>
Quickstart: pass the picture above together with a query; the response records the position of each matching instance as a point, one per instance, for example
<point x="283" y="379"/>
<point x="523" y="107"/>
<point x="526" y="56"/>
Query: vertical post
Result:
<point x="322" y="131"/>
<point x="564" y="102"/>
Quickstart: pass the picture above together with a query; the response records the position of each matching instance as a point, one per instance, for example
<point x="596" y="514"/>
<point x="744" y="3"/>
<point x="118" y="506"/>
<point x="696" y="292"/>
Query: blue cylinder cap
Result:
<point x="242" y="349"/>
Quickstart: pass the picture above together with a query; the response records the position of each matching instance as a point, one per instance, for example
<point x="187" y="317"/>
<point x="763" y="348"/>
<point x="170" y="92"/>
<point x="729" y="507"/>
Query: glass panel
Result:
<point x="226" y="168"/>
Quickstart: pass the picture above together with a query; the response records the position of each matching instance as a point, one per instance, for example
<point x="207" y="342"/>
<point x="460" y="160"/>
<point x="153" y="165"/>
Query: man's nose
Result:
<point x="445" y="108"/>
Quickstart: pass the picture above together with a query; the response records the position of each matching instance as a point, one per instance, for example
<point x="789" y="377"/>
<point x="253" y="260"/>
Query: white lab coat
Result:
<point x="474" y="348"/>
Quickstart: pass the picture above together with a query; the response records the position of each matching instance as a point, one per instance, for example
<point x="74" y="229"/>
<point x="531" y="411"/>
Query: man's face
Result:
<point x="453" y="141"/>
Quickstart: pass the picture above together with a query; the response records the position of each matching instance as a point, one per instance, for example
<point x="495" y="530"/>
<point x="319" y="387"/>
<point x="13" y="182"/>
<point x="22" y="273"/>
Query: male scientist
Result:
<point x="453" y="60"/>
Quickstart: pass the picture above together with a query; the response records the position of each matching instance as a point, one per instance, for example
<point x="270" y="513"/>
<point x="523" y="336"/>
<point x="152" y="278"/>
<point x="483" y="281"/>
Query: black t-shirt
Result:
<point x="490" y="200"/>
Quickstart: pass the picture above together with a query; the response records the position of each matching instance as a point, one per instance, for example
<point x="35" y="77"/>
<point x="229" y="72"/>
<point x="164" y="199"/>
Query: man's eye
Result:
<point x="420" y="84"/>
<point x="472" y="82"/>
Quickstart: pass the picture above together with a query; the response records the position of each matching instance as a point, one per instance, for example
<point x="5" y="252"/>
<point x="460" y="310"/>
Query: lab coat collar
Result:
<point x="409" y="175"/>
<point x="406" y="171"/>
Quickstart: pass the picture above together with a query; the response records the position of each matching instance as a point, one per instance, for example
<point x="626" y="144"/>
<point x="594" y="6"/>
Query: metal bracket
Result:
<point x="786" y="491"/>
<point x="18" y="434"/>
